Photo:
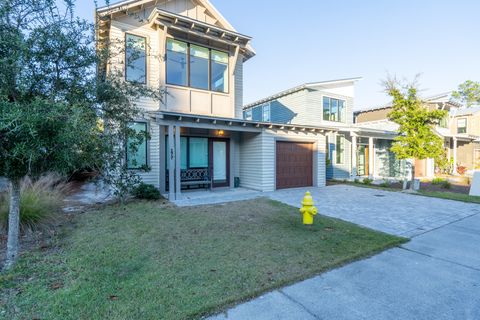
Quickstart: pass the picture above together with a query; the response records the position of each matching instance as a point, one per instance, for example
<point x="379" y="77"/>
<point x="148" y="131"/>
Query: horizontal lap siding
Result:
<point x="251" y="161"/>
<point x="153" y="176"/>
<point x="340" y="171"/>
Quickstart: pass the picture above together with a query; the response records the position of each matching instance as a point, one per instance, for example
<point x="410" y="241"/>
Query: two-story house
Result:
<point x="459" y="142"/>
<point x="353" y="151"/>
<point x="465" y="130"/>
<point x="198" y="137"/>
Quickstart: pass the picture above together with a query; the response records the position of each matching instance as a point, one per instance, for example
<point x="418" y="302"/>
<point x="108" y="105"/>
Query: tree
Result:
<point x="468" y="92"/>
<point x="56" y="112"/>
<point x="417" y="138"/>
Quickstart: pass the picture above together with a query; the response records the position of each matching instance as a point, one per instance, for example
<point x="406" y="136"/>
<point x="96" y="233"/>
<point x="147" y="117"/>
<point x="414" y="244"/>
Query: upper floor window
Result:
<point x="247" y="114"/>
<point x="136" y="58"/>
<point x="333" y="109"/>
<point x="266" y="113"/>
<point x="137" y="146"/>
<point x="444" y="122"/>
<point x="195" y="66"/>
<point x="462" y="125"/>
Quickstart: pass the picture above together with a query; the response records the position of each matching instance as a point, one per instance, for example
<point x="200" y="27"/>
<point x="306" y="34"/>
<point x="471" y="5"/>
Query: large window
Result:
<point x="194" y="153"/>
<point x="462" y="125"/>
<point x="195" y="66"/>
<point x="340" y="149"/>
<point x="247" y="114"/>
<point x="333" y="109"/>
<point x="177" y="62"/>
<point x="199" y="57"/>
<point x="136" y="58"/>
<point x="137" y="146"/>
<point x="219" y="71"/>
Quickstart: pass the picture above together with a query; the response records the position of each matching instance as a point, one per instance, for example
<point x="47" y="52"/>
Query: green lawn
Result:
<point x="450" y="196"/>
<point x="153" y="261"/>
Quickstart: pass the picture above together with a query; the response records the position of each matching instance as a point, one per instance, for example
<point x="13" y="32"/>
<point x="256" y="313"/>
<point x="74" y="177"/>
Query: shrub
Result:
<point x="438" y="181"/>
<point x="446" y="184"/>
<point x="41" y="201"/>
<point x="367" y="181"/>
<point x="385" y="184"/>
<point x="146" y="191"/>
<point x="356" y="180"/>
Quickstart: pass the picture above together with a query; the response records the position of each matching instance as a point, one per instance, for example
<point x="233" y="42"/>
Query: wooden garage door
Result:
<point x="294" y="165"/>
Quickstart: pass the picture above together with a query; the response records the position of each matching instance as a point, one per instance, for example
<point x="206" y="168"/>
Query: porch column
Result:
<point x="371" y="158"/>
<point x="163" y="159"/>
<point x="171" y="163"/>
<point x="178" y="159"/>
<point x="454" y="169"/>
<point x="354" y="154"/>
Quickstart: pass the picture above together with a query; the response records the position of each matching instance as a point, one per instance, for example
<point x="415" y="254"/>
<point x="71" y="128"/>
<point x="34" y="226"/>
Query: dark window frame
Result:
<point x="339" y="113"/>
<point x="188" y="85"/>
<point x="126" y="58"/>
<point x="343" y="139"/>
<point x="147" y="148"/>
<point x="188" y="151"/>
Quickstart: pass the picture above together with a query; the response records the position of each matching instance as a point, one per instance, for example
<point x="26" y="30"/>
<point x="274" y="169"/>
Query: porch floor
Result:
<point x="199" y="197"/>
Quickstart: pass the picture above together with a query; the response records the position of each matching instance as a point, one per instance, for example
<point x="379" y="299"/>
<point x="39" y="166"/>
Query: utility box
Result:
<point x="475" y="186"/>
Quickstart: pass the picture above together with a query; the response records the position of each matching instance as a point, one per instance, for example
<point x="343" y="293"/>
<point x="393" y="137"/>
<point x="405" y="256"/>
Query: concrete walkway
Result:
<point x="434" y="276"/>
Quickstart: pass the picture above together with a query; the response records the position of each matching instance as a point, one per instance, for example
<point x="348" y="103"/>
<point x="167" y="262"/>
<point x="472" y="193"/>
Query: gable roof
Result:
<point x="300" y="88"/>
<point x="224" y="24"/>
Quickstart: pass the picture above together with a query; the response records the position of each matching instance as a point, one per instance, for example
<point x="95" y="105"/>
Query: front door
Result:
<point x="362" y="161"/>
<point x="219" y="160"/>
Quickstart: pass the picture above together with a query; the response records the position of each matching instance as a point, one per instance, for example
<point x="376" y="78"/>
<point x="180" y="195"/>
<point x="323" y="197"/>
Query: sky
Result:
<point x="316" y="40"/>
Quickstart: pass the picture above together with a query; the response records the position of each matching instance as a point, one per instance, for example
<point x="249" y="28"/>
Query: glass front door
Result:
<point x="362" y="161"/>
<point x="220" y="162"/>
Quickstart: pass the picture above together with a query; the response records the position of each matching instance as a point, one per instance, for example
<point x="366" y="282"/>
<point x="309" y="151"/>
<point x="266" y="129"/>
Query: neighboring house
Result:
<point x="198" y="135"/>
<point x="353" y="151"/>
<point x="459" y="142"/>
<point x="465" y="128"/>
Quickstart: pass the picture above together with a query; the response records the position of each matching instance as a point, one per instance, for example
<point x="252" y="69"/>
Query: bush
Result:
<point x="438" y="181"/>
<point x="367" y="181"/>
<point x="146" y="191"/>
<point x="446" y="184"/>
<point x="385" y="184"/>
<point x="356" y="180"/>
<point x="41" y="201"/>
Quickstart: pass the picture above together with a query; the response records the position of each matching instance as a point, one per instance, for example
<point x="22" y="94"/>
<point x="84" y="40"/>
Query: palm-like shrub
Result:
<point x="41" y="201"/>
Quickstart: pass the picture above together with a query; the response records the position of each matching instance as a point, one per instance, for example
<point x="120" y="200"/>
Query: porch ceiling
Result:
<point x="210" y="122"/>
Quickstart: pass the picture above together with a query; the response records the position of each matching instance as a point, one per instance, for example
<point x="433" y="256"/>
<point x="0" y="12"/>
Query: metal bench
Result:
<point x="194" y="177"/>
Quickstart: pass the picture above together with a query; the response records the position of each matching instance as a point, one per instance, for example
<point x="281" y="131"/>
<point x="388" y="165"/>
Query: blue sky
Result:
<point x="314" y="40"/>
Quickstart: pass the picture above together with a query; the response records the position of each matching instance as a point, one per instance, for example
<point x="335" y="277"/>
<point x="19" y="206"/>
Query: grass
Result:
<point x="450" y="196"/>
<point x="145" y="260"/>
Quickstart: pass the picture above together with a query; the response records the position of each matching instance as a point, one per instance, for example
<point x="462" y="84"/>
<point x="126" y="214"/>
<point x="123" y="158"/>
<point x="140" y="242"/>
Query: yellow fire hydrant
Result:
<point x="308" y="209"/>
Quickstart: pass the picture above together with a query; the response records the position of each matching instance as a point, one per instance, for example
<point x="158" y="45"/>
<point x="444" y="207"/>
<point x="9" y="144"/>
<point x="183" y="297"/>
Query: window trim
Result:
<point x="147" y="147"/>
<point x="466" y="125"/>
<point x="188" y="85"/>
<point x="146" y="55"/>
<point x="330" y="108"/>
<point x="342" y="136"/>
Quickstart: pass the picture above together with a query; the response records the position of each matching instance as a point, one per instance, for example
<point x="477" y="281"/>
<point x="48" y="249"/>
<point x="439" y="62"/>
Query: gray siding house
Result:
<point x="198" y="136"/>
<point x="352" y="150"/>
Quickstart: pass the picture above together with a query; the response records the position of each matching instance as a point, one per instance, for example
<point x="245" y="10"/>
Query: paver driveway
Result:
<point x="434" y="276"/>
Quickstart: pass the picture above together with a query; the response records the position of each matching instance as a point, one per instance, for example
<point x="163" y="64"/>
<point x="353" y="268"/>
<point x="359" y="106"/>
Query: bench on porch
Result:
<point x="194" y="177"/>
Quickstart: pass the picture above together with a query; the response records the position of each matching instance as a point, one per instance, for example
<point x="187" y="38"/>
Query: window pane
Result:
<point x="219" y="71"/>
<point x="462" y="126"/>
<point x="334" y="110"/>
<point x="199" y="67"/>
<point x="248" y="114"/>
<point x="198" y="152"/>
<point x="341" y="111"/>
<point x="326" y="108"/>
<point x="137" y="146"/>
<point x="266" y="113"/>
<point x="340" y="149"/>
<point x="135" y="70"/>
<point x="176" y="62"/>
<point x="183" y="155"/>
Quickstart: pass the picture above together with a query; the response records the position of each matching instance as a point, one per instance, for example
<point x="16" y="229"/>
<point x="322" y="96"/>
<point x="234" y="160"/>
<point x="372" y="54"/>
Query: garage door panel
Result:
<point x="294" y="164"/>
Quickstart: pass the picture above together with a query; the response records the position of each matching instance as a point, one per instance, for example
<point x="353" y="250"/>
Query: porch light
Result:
<point x="220" y="132"/>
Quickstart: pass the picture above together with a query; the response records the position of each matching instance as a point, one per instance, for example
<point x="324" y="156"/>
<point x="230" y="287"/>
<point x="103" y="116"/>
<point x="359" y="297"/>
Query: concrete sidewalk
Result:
<point x="434" y="276"/>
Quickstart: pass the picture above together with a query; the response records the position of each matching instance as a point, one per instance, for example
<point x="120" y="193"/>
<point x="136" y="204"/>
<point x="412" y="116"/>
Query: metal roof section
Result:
<point x="445" y="97"/>
<point x="302" y="87"/>
<point x="470" y="111"/>
<point x="235" y="124"/>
